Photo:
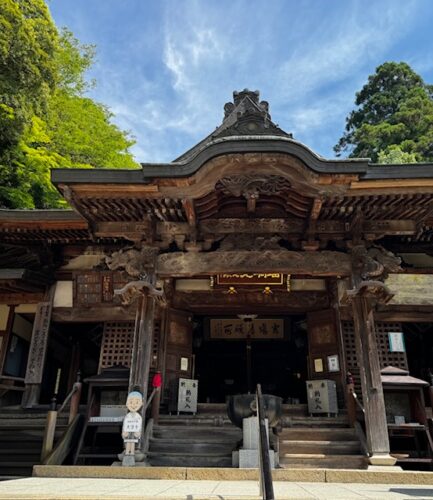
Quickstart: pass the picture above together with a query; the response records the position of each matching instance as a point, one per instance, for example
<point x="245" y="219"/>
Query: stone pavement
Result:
<point x="143" y="489"/>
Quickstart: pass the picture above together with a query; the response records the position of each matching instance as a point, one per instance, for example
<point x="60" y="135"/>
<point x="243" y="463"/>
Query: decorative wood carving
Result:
<point x="373" y="263"/>
<point x="252" y="184"/>
<point x="134" y="289"/>
<point x="137" y="263"/>
<point x="257" y="226"/>
<point x="326" y="263"/>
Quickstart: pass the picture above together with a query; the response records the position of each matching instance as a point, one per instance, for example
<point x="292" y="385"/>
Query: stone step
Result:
<point x="212" y="408"/>
<point x="210" y="420"/>
<point x="322" y="461"/>
<point x="14" y="415"/>
<point x="295" y="421"/>
<point x="196" y="432"/>
<point x="191" y="447"/>
<point x="9" y="451"/>
<point x="319" y="434"/>
<point x="28" y="435"/>
<point x="325" y="447"/>
<point x="182" y="460"/>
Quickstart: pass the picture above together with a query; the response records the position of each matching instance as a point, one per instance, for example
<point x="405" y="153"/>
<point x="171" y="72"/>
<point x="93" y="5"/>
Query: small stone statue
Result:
<point x="131" y="429"/>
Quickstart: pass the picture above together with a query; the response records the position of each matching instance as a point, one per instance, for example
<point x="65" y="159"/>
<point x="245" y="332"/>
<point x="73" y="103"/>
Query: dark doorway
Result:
<point x="418" y="339"/>
<point x="279" y="365"/>
<point x="71" y="347"/>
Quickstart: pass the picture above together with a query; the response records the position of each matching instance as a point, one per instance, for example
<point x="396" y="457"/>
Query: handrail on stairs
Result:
<point x="352" y="400"/>
<point x="265" y="474"/>
<point x="73" y="397"/>
<point x="65" y="446"/>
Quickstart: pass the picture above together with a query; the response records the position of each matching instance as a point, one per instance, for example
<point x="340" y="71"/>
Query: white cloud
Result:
<point x="308" y="58"/>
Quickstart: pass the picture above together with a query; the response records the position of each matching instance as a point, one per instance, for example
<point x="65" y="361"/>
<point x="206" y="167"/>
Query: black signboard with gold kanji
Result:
<point x="250" y="279"/>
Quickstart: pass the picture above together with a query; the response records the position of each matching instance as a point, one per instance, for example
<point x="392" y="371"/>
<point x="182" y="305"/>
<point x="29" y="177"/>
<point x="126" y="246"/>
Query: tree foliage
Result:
<point x="46" y="121"/>
<point x="394" y="109"/>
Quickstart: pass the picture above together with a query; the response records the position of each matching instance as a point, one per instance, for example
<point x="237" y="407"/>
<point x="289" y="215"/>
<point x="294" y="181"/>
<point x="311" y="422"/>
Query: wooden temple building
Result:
<point x="249" y="259"/>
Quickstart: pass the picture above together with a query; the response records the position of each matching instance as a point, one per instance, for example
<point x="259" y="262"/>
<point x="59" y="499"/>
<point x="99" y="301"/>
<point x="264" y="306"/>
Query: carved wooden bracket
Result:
<point x="134" y="289"/>
<point x="138" y="263"/>
<point x="375" y="291"/>
<point x="373" y="263"/>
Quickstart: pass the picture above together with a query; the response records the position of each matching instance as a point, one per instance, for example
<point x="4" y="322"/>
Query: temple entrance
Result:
<point x="71" y="347"/>
<point x="233" y="365"/>
<point x="418" y="338"/>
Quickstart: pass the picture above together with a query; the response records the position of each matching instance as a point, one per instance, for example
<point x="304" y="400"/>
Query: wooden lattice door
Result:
<point x="117" y="344"/>
<point x="386" y="357"/>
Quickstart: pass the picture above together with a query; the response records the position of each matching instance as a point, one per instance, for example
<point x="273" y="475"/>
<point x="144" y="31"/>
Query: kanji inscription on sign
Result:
<point x="240" y="329"/>
<point x="187" y="395"/>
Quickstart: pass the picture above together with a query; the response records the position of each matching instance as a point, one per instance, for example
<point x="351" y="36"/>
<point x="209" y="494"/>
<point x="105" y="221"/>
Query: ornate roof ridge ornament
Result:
<point x="247" y="115"/>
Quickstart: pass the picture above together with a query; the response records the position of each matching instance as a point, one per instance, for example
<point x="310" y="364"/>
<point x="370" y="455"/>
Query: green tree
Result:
<point x="59" y="127"/>
<point x="394" y="108"/>
<point x="28" y="43"/>
<point x="395" y="155"/>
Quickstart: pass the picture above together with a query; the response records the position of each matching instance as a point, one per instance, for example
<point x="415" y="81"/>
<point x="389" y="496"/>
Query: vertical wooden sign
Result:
<point x="38" y="344"/>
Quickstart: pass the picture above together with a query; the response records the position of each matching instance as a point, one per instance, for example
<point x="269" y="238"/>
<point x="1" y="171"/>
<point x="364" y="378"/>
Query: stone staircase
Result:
<point x="320" y="443"/>
<point x="21" y="435"/>
<point x="203" y="440"/>
<point x="208" y="438"/>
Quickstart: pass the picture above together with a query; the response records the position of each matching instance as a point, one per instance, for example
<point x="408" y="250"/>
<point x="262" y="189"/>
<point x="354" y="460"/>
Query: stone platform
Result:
<point x="230" y="474"/>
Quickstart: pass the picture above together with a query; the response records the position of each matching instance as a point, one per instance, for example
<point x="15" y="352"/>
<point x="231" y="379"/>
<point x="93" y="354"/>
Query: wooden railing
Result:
<point x="352" y="401"/>
<point x="353" y="405"/>
<point x="265" y="473"/>
<point x="73" y="397"/>
<point x="67" y="443"/>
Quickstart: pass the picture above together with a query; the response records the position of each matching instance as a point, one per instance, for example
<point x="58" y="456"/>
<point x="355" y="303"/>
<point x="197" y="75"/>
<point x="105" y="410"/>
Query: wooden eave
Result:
<point x="22" y="281"/>
<point x="43" y="225"/>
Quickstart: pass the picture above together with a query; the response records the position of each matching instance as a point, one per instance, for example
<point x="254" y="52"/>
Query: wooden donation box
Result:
<point x="101" y="437"/>
<point x="410" y="438"/>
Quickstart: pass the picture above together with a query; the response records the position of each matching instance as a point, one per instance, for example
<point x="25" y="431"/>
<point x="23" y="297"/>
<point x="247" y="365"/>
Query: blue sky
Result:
<point x="165" y="68"/>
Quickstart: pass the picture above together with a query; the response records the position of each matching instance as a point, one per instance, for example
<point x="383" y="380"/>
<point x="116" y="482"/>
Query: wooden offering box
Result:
<point x="410" y="437"/>
<point x="101" y="437"/>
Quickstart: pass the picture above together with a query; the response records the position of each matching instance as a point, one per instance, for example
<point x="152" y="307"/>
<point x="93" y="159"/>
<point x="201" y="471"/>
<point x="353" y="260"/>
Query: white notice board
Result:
<point x="187" y="395"/>
<point x="396" y="342"/>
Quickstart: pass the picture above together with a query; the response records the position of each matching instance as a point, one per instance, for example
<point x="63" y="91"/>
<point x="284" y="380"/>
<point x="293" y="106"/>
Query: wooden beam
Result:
<point x="179" y="264"/>
<point x="93" y="314"/>
<point x="310" y="243"/>
<point x="188" y="206"/>
<point x="135" y="231"/>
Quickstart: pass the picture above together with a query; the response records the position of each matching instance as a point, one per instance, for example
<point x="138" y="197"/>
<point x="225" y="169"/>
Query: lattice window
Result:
<point x="386" y="357"/>
<point x="116" y="347"/>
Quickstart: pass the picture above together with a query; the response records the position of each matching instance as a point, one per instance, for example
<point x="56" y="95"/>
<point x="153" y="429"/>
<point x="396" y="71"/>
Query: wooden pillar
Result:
<point x="142" y="346"/>
<point x="371" y="384"/>
<point x="37" y="352"/>
<point x="160" y="366"/>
